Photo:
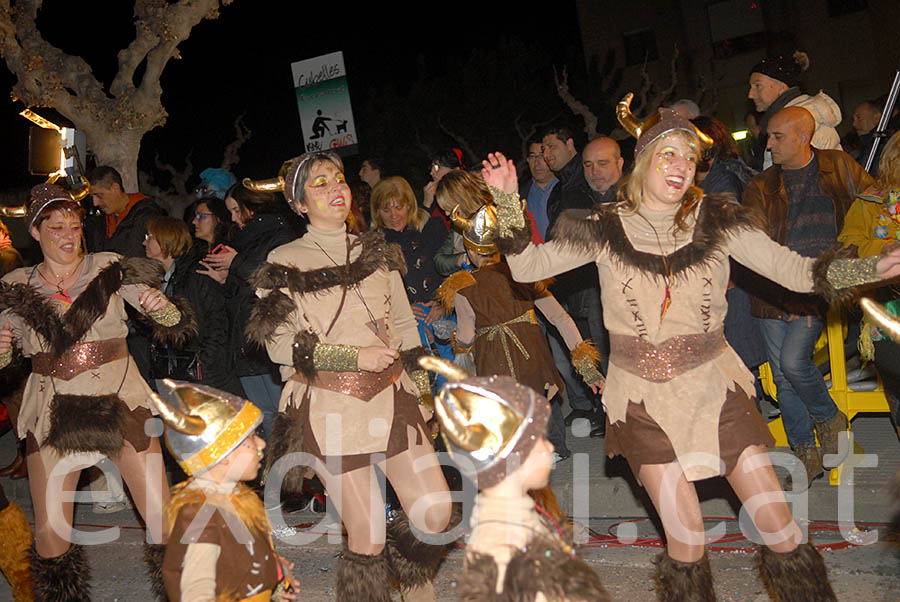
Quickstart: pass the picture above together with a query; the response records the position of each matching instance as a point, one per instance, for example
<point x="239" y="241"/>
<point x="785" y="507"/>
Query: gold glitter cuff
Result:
<point x="167" y="316"/>
<point x="847" y="273"/>
<point x="336" y="358"/>
<point x="510" y="212"/>
<point x="457" y="346"/>
<point x="6" y="358"/>
<point x="585" y="358"/>
<point x="420" y="377"/>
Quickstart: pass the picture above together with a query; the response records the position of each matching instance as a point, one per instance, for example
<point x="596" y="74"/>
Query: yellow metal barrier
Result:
<point x="848" y="401"/>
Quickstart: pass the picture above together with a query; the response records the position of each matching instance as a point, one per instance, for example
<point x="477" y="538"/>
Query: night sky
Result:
<point x="240" y="63"/>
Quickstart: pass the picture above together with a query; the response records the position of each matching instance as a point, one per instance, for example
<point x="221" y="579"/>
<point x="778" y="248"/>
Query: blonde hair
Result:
<point x="171" y="234"/>
<point x="395" y="188"/>
<point x="464" y="189"/>
<point x="631" y="192"/>
<point x="889" y="166"/>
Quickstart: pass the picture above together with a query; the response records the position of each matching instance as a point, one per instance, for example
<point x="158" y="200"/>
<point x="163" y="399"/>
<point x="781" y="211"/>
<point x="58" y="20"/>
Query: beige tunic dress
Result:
<point x="679" y="366"/>
<point x="348" y="420"/>
<point x="120" y="376"/>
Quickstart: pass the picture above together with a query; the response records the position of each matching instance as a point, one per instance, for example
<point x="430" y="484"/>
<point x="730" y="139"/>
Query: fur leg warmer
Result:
<point x="14" y="559"/>
<point x="362" y="578"/>
<point x="795" y="576"/>
<point x="65" y="578"/>
<point x="683" y="581"/>
<point x="413" y="563"/>
<point x="154" y="553"/>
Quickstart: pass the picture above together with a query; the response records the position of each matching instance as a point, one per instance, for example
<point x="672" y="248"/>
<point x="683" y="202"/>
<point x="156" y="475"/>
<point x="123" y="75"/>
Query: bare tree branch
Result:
<point x="575" y="105"/>
<point x="242" y="134"/>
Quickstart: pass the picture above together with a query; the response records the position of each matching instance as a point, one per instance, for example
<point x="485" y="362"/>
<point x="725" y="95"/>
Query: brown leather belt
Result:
<point x="362" y="385"/>
<point x="671" y="358"/>
<point x="79" y="358"/>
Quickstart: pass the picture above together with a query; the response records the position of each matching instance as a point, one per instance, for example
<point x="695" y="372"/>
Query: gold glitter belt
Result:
<point x="363" y="385"/>
<point x="671" y="358"/>
<point x="506" y="334"/>
<point x="79" y="358"/>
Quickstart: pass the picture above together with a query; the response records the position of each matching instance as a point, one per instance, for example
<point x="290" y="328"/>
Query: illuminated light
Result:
<point x="739" y="135"/>
<point x="40" y="121"/>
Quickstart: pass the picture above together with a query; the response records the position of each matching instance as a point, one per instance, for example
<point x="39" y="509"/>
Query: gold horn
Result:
<point x="19" y="211"/>
<point x="881" y="318"/>
<point x="271" y="185"/>
<point x="448" y="370"/>
<point x="178" y="420"/>
<point x="463" y="223"/>
<point x="82" y="191"/>
<point x="626" y="117"/>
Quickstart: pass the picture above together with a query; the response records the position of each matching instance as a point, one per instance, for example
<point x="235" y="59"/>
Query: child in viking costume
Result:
<point x="335" y="316"/>
<point x="219" y="546"/>
<point x="15" y="542"/>
<point x="496" y="319"/>
<point x="84" y="395"/>
<point x="678" y="399"/>
<point x="494" y="430"/>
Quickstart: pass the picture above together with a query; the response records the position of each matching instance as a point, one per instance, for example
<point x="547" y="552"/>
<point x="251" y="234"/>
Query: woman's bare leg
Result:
<point x="145" y="476"/>
<point x="52" y="516"/>
<point x="419" y="482"/>
<point x="359" y="502"/>
<point x="753" y="480"/>
<point x="676" y="502"/>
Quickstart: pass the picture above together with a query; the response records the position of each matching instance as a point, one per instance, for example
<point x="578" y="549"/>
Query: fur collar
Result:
<point x="63" y="332"/>
<point x="601" y="228"/>
<point x="376" y="254"/>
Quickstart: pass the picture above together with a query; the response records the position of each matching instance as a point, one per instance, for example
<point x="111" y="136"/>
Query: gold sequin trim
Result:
<point x="228" y="439"/>
<point x="167" y="316"/>
<point x="420" y="377"/>
<point x="6" y="358"/>
<point x="846" y="273"/>
<point x="362" y="384"/>
<point x="673" y="357"/>
<point x="79" y="359"/>
<point x="506" y="334"/>
<point x="336" y="358"/>
<point x="510" y="212"/>
<point x="585" y="358"/>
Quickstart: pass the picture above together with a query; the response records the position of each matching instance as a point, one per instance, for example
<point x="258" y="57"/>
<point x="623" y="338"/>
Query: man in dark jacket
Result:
<point x="577" y="290"/>
<point x="123" y="224"/>
<point x="805" y="196"/>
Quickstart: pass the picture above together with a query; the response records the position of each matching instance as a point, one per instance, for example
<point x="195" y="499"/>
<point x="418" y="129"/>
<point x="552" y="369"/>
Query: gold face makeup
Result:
<point x="327" y="196"/>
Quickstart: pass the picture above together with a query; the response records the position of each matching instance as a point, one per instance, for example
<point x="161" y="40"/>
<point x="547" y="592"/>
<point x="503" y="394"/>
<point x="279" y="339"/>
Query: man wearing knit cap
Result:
<point x="774" y="85"/>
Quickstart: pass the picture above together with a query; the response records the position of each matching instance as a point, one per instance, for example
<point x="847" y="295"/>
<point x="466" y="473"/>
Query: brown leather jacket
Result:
<point x="840" y="178"/>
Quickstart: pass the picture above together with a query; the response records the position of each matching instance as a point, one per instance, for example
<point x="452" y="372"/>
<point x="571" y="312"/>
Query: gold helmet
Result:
<point x="479" y="232"/>
<point x="663" y="121"/>
<point x="489" y="424"/>
<point x="207" y="425"/>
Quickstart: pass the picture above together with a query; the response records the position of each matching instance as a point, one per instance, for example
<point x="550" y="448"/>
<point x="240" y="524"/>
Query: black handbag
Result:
<point x="182" y="364"/>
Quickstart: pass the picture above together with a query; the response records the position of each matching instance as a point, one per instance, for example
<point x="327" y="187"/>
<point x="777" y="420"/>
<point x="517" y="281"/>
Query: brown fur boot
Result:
<point x="14" y="560"/>
<point x="413" y="562"/>
<point x="362" y="578"/>
<point x="796" y="576"/>
<point x="64" y="578"/>
<point x="683" y="581"/>
<point x="153" y="556"/>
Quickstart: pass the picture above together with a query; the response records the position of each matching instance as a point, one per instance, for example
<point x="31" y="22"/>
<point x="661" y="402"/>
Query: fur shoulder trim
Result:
<point x="245" y="502"/>
<point x="376" y="254"/>
<point x="266" y="315"/>
<point x="545" y="567"/>
<point x="454" y="283"/>
<point x="718" y="217"/>
<point x="140" y="270"/>
<point x="34" y="308"/>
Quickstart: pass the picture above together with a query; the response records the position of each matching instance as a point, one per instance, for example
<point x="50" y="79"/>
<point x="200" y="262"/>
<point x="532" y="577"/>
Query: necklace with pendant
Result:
<point x="667" y="271"/>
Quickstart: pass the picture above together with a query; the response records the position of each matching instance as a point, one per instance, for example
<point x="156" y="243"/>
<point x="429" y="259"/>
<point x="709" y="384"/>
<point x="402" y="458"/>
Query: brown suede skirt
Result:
<point x="406" y="412"/>
<point x="641" y="440"/>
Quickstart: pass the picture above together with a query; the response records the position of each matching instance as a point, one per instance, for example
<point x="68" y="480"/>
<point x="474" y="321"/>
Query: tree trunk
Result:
<point x="119" y="150"/>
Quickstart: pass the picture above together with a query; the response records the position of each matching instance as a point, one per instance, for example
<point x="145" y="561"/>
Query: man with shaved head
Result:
<point x="805" y="196"/>
<point x="602" y="161"/>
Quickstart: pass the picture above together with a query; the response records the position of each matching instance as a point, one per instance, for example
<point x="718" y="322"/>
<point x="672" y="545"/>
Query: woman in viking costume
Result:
<point x="678" y="399"/>
<point x="84" y="398"/>
<point x="334" y="315"/>
<point x="494" y="429"/>
<point x="219" y="543"/>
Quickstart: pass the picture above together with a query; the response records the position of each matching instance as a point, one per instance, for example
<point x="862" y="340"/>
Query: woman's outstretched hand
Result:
<point x="376" y="359"/>
<point x="6" y="338"/>
<point x="500" y="172"/>
<point x="888" y="267"/>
